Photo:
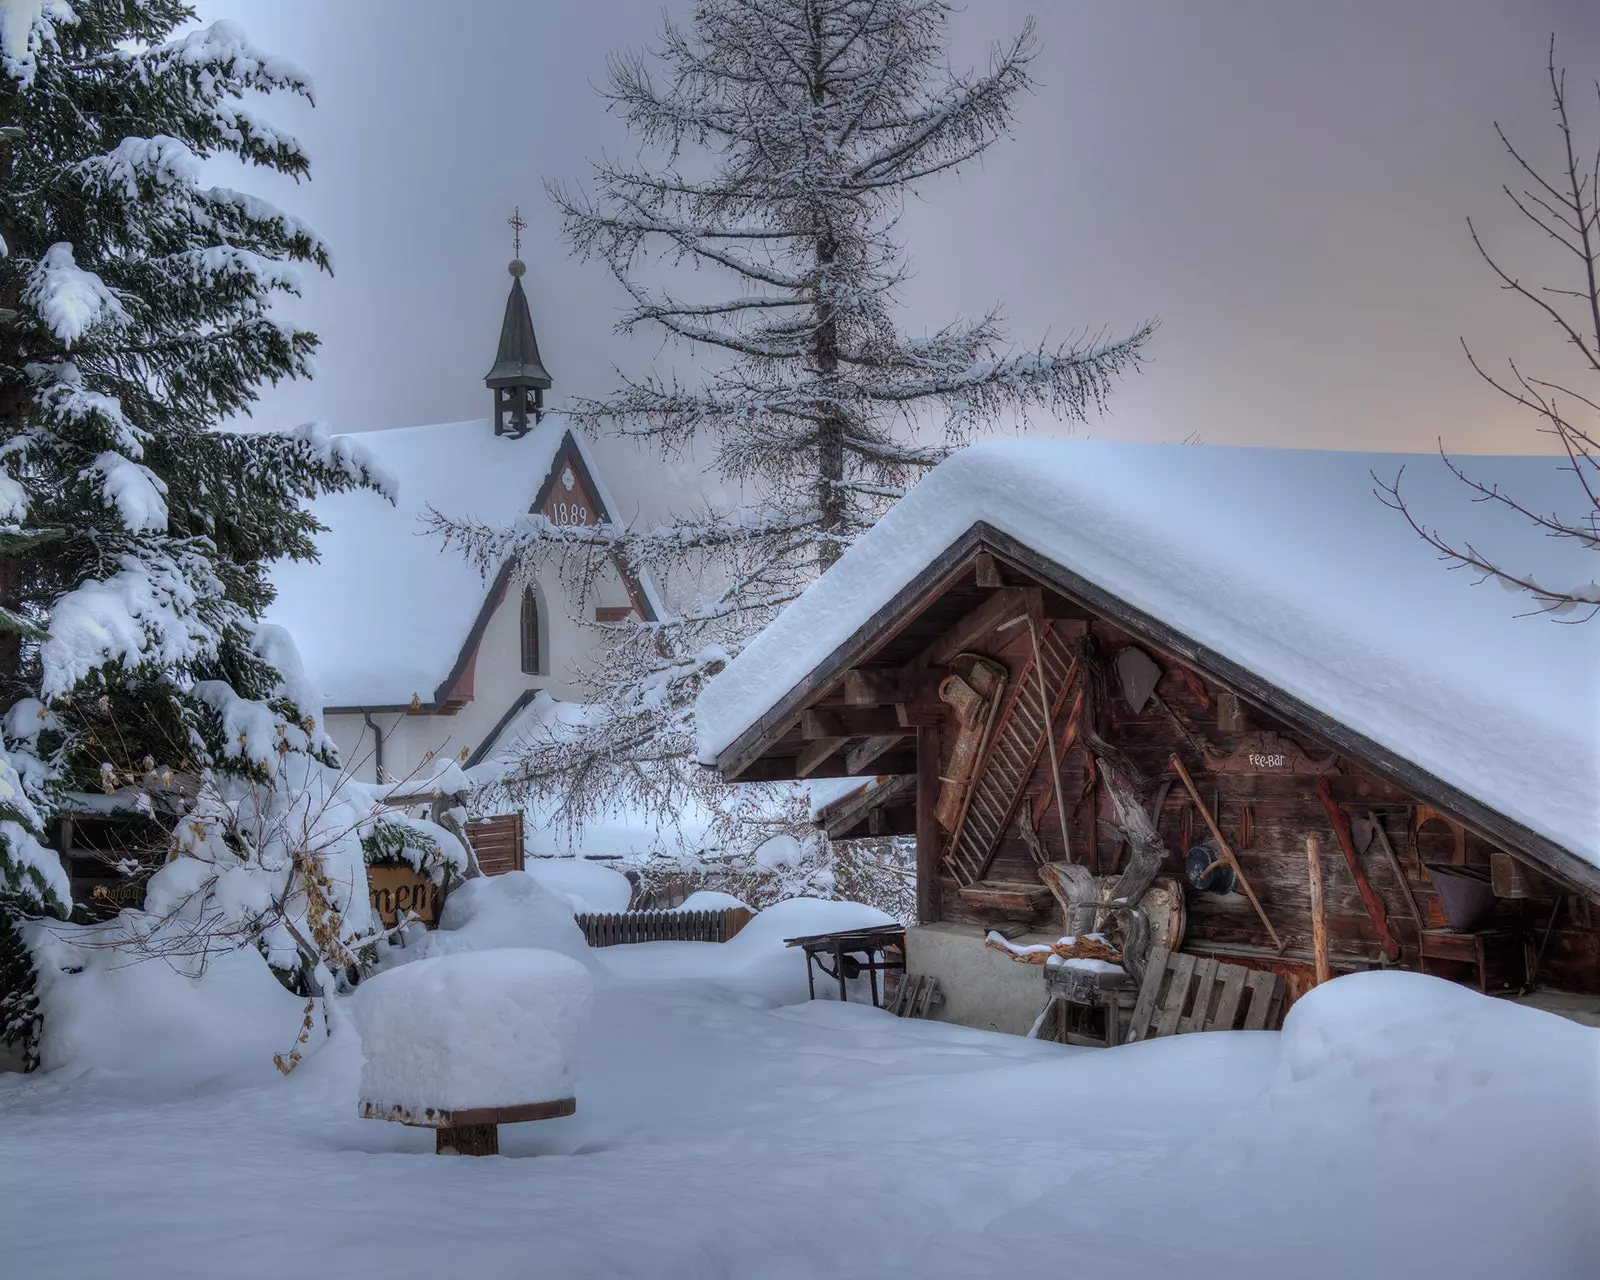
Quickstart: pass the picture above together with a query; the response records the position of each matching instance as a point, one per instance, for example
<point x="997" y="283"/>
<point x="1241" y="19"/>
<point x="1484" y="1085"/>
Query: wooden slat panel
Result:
<point x="1172" y="1006"/>
<point x="1263" y="987"/>
<point x="1228" y="1002"/>
<point x="1204" y="975"/>
<point x="1154" y="974"/>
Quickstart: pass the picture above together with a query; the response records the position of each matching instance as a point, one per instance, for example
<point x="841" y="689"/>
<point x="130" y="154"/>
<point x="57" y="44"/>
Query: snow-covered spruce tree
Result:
<point x="134" y="316"/>
<point x="787" y="136"/>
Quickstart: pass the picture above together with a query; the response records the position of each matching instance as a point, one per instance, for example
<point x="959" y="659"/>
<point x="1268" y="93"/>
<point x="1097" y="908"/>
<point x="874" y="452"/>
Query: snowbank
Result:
<point x="590" y="886"/>
<point x="489" y="1029"/>
<point x="109" y="1011"/>
<point x="754" y="963"/>
<point x="712" y="900"/>
<point x="492" y="912"/>
<point x="1366" y="626"/>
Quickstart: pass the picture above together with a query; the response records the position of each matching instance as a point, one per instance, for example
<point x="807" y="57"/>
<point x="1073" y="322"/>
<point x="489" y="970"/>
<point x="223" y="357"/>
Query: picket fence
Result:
<point x="613" y="928"/>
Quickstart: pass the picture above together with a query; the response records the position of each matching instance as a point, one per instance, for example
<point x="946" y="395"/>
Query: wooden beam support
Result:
<point x="928" y="834"/>
<point x="1375" y="908"/>
<point x="862" y="722"/>
<point x="987" y="571"/>
<point x="861" y="756"/>
<point x="1004" y="605"/>
<point x="813" y="754"/>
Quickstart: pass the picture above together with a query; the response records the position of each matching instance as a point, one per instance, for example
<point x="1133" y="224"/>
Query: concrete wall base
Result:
<point x="982" y="988"/>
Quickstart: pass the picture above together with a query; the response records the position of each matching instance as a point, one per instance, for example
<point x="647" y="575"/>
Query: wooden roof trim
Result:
<point x="927" y="586"/>
<point x="951" y="563"/>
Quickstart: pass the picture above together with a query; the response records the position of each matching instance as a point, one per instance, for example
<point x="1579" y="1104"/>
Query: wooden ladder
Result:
<point x="1015" y="748"/>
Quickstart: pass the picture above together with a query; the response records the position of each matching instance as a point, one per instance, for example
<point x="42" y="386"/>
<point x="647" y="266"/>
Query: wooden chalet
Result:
<point x="1049" y="743"/>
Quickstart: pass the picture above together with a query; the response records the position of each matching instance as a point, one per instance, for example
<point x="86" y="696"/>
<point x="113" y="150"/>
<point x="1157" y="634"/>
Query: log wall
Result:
<point x="1283" y="809"/>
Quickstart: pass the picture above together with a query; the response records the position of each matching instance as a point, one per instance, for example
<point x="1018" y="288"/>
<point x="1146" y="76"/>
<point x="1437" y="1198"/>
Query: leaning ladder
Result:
<point x="1015" y="748"/>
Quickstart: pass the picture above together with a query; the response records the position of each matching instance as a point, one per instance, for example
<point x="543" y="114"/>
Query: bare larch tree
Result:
<point x="781" y="138"/>
<point x="1565" y="206"/>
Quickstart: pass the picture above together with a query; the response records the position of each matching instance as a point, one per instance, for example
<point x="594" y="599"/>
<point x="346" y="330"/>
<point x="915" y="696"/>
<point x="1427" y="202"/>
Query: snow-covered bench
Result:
<point x="462" y="1044"/>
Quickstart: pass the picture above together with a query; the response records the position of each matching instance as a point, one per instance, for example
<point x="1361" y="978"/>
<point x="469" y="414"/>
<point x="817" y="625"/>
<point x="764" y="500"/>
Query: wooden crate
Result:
<point x="1184" y="993"/>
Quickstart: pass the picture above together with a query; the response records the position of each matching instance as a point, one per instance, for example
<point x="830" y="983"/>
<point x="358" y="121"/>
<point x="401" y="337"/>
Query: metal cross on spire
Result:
<point x="517" y="224"/>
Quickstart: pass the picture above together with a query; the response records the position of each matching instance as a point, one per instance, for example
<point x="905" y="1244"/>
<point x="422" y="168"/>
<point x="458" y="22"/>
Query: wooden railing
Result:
<point x="612" y="928"/>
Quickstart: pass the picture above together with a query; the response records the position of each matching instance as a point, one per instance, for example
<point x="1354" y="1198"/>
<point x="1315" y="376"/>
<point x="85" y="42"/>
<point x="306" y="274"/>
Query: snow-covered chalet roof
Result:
<point x="1286" y="563"/>
<point x="386" y="611"/>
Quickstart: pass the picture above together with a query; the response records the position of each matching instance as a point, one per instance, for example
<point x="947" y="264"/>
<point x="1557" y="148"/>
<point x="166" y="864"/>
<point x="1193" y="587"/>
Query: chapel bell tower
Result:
<point x="518" y="379"/>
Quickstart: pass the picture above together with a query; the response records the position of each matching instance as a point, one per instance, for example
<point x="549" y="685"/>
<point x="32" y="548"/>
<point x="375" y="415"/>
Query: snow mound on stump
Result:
<point x="493" y="912"/>
<point x="588" y="885"/>
<point x="486" y="1029"/>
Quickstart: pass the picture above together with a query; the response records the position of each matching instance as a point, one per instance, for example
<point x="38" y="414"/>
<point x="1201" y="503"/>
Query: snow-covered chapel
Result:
<point x="419" y="656"/>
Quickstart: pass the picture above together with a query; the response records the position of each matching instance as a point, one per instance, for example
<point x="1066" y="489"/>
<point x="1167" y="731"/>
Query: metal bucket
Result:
<point x="1465" y="894"/>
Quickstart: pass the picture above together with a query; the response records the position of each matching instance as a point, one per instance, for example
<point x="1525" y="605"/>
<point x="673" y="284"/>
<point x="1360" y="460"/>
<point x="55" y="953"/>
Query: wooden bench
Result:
<point x="473" y="1131"/>
<point x="1184" y="993"/>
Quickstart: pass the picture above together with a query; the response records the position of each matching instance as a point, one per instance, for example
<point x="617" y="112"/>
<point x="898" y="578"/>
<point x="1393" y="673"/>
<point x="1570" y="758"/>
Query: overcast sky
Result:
<point x="1284" y="184"/>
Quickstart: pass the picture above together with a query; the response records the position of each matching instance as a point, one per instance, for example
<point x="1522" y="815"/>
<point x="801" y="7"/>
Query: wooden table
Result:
<point x="882" y="949"/>
<point x="468" y="1132"/>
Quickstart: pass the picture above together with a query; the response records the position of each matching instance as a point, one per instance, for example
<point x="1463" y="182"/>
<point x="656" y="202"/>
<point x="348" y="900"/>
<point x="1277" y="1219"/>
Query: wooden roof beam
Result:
<point x="814" y="754"/>
<point x="851" y="722"/>
<point x="1001" y="607"/>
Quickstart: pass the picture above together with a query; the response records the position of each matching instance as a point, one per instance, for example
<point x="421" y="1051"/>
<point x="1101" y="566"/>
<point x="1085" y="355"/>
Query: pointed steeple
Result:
<point x="519" y="378"/>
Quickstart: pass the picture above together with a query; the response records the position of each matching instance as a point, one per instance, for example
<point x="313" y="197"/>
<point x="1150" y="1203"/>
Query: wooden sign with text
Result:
<point x="1269" y="753"/>
<point x="396" y="889"/>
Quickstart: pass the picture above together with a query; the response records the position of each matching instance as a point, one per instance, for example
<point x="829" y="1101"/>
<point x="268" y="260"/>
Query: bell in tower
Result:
<point x="518" y="379"/>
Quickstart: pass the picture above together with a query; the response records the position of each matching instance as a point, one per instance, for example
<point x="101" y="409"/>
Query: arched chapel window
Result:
<point x="530" y="632"/>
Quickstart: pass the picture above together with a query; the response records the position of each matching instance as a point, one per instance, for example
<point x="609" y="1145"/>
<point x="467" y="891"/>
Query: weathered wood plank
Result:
<point x="1228" y="1002"/>
<point x="1205" y="973"/>
<point x="1144" y="1008"/>
<point x="1262" y="987"/>
<point x="1172" y="1007"/>
<point x="928" y="835"/>
<point x="1369" y="896"/>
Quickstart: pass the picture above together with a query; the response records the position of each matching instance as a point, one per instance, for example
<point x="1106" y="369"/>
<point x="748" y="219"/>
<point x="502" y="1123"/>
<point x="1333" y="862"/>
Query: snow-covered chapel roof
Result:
<point x="1283" y="562"/>
<point x="388" y="610"/>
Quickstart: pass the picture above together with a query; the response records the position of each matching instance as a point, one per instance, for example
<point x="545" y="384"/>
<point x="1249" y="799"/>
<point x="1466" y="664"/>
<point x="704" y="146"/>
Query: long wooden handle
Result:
<point x="1319" y="919"/>
<point x="1227" y="852"/>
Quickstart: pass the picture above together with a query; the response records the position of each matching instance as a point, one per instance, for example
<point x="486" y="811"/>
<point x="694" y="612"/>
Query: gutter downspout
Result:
<point x="377" y="747"/>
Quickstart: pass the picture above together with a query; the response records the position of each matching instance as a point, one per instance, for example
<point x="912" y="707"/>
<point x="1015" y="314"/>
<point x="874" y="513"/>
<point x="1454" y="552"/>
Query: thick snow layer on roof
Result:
<point x="1285" y="562"/>
<point x="383" y="615"/>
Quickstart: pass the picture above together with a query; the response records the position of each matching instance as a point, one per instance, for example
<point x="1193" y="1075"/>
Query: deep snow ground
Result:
<point x="1399" y="1126"/>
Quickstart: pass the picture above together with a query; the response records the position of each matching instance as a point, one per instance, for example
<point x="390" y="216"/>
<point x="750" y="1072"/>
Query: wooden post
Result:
<point x="927" y="825"/>
<point x="1319" y="920"/>
<point x="467" y="1140"/>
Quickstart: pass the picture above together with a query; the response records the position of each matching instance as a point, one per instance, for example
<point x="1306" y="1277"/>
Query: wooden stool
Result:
<point x="472" y="1131"/>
